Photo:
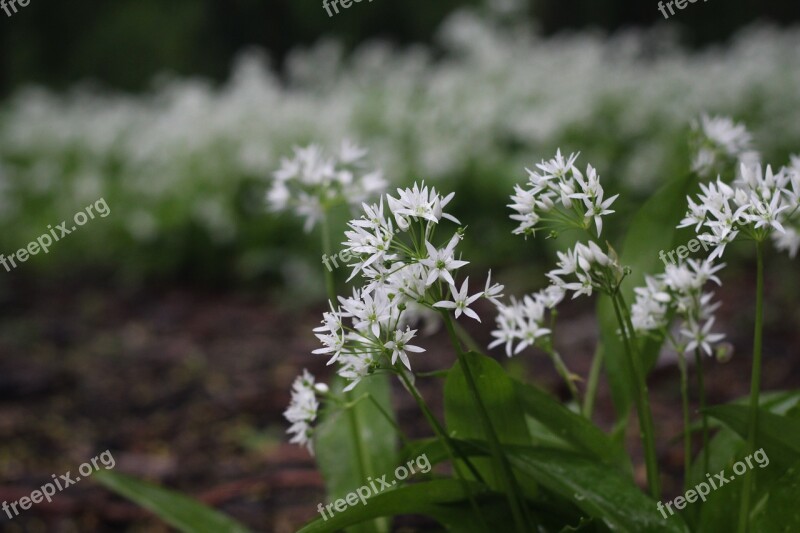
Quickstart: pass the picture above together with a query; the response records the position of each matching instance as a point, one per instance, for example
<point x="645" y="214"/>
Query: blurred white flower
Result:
<point x="302" y="410"/>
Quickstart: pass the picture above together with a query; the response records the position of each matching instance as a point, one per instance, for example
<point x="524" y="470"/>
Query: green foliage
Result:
<point x="442" y="500"/>
<point x="179" y="511"/>
<point x="357" y="443"/>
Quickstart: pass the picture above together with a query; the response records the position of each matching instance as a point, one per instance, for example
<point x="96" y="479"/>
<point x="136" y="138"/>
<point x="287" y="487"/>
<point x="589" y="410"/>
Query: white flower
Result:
<point x="368" y="311"/>
<point x="593" y="268"/>
<point x="399" y="346"/>
<point x="760" y="203"/>
<point x="302" y="410"/>
<point x="355" y="367"/>
<point x="309" y="182"/>
<point x="700" y="336"/>
<point x="767" y="214"/>
<point x="558" y="167"/>
<point x="418" y="204"/>
<point x="492" y="292"/>
<point x="350" y="152"/>
<point x="592" y="196"/>
<point x="440" y="262"/>
<point x="520" y="322"/>
<point x="679" y="292"/>
<point x="720" y="139"/>
<point x="788" y="241"/>
<point x="553" y="187"/>
<point x="550" y="297"/>
<point x="461" y="301"/>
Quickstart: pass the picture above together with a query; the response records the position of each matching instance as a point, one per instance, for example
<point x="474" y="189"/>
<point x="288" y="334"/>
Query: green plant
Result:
<point x="518" y="459"/>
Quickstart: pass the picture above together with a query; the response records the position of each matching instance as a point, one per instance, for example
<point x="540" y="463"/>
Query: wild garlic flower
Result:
<point x="759" y="204"/>
<point x="303" y="408"/>
<point x="406" y="273"/>
<point x="587" y="268"/>
<point x="559" y="196"/>
<point x="312" y="181"/>
<point x="461" y="301"/>
<point x="522" y="323"/>
<point x="679" y="292"/>
<point x="719" y="142"/>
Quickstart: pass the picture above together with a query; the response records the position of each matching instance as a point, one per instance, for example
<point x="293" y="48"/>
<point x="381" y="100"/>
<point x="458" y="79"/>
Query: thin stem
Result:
<point x="687" y="433"/>
<point x="646" y="430"/>
<point x="354" y="422"/>
<point x="702" y="393"/>
<point x="466" y="338"/>
<point x="451" y="450"/>
<point x="384" y="413"/>
<point x="440" y="432"/>
<point x="755" y="389"/>
<point x="566" y="375"/>
<point x="330" y="285"/>
<point x="513" y="493"/>
<point x="591" y="387"/>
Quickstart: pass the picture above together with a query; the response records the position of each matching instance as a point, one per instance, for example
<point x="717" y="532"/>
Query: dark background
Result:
<point x="125" y="43"/>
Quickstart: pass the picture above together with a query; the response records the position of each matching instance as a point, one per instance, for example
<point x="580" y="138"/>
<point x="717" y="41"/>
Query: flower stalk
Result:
<point x="646" y="428"/>
<point x="514" y="495"/>
<point x="755" y="389"/>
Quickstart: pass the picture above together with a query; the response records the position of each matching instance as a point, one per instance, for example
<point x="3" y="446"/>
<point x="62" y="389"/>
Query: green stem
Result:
<point x="513" y="493"/>
<point x="566" y="375"/>
<point x="755" y="389"/>
<point x="450" y="448"/>
<point x="330" y="285"/>
<point x="687" y="432"/>
<point x="702" y="393"/>
<point x="591" y="386"/>
<point x="354" y="422"/>
<point x="384" y="413"/>
<point x="646" y="430"/>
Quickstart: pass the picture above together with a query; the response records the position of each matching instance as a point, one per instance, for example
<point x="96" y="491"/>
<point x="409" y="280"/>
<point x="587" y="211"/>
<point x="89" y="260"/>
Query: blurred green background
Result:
<point x="177" y="113"/>
<point x="126" y="42"/>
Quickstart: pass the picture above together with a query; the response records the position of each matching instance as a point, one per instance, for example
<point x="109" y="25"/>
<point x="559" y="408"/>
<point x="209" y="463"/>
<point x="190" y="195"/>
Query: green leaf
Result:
<point x="782" y="514"/>
<point x="357" y="443"/>
<point x="600" y="491"/>
<point x="726" y="447"/>
<point x="570" y="427"/>
<point x="179" y="511"/>
<point x="443" y="500"/>
<point x="500" y="399"/>
<point x="651" y="230"/>
<point x="778" y="435"/>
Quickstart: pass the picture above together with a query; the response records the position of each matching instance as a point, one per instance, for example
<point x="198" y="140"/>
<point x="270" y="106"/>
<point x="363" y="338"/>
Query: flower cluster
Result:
<point x="760" y="203"/>
<point x="523" y="322"/>
<point x="679" y="292"/>
<point x="402" y="272"/>
<point x="303" y="408"/>
<point x="311" y="181"/>
<point x="592" y="269"/>
<point x="718" y="141"/>
<point x="559" y="196"/>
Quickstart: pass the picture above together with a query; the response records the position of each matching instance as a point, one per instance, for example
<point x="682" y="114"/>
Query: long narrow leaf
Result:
<point x="179" y="511"/>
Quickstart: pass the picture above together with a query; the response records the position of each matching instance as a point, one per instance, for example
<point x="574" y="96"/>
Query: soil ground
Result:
<point x="186" y="386"/>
